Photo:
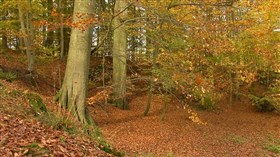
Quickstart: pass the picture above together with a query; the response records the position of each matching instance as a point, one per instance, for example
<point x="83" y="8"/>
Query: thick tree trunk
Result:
<point x="74" y="89"/>
<point x="119" y="57"/>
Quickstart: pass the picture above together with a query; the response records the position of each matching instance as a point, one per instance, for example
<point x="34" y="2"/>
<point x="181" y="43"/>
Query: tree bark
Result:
<point x="4" y="36"/>
<point x="62" y="51"/>
<point x="74" y="89"/>
<point x="119" y="57"/>
<point x="4" y="42"/>
<point x="28" y="33"/>
<point x="50" y="34"/>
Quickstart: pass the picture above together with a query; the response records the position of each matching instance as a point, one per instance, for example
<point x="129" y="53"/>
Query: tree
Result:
<point x="50" y="34"/>
<point x="119" y="55"/>
<point x="4" y="37"/>
<point x="73" y="93"/>
<point x="27" y="31"/>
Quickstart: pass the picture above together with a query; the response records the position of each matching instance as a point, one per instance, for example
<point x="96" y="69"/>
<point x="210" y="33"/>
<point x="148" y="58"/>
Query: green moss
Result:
<point x="8" y="76"/>
<point x="36" y="103"/>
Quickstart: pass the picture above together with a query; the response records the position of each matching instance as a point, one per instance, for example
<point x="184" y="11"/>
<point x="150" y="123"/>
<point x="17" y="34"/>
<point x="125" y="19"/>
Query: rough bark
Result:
<point x="119" y="56"/>
<point x="74" y="89"/>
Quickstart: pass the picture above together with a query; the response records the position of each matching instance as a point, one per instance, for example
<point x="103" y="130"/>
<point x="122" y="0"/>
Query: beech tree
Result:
<point x="73" y="93"/>
<point x="27" y="30"/>
<point x="119" y="55"/>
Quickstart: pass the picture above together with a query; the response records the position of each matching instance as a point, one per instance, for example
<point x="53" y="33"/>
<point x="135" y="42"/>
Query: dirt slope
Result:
<point x="22" y="135"/>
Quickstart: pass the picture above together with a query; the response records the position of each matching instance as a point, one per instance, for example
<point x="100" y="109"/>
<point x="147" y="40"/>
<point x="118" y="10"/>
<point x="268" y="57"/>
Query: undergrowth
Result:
<point x="273" y="145"/>
<point x="236" y="139"/>
<point x="34" y="149"/>
<point x="8" y="76"/>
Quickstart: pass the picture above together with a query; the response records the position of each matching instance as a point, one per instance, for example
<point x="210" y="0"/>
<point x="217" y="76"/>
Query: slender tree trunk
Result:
<point x="50" y="34"/>
<point x="119" y="57"/>
<point x="66" y="40"/>
<point x="28" y="33"/>
<point x="4" y="36"/>
<point x="4" y="42"/>
<point x="62" y="51"/>
<point x="74" y="89"/>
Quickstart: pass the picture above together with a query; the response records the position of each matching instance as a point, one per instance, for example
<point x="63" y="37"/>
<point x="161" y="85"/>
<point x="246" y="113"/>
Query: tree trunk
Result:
<point x="4" y="36"/>
<point x="4" y="42"/>
<point x="50" y="34"/>
<point x="28" y="33"/>
<point x="74" y="89"/>
<point x="119" y="57"/>
<point x="62" y="51"/>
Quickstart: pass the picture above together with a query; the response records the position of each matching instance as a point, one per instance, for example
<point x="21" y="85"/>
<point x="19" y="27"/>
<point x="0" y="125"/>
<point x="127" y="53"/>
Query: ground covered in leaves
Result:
<point x="236" y="130"/>
<point x="232" y="131"/>
<point x="22" y="135"/>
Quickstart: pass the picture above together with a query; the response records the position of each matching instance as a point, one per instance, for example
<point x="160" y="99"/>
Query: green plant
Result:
<point x="62" y="140"/>
<point x="206" y="100"/>
<point x="273" y="144"/>
<point x="207" y="103"/>
<point x="15" y="93"/>
<point x="59" y="122"/>
<point x="34" y="149"/>
<point x="273" y="148"/>
<point x="8" y="76"/>
<point x="263" y="104"/>
<point x="236" y="139"/>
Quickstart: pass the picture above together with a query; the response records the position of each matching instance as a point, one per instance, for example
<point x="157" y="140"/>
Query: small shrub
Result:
<point x="207" y="103"/>
<point x="262" y="104"/>
<point x="206" y="100"/>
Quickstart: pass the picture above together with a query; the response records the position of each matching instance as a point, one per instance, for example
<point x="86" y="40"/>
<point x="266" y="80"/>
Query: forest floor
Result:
<point x="235" y="130"/>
